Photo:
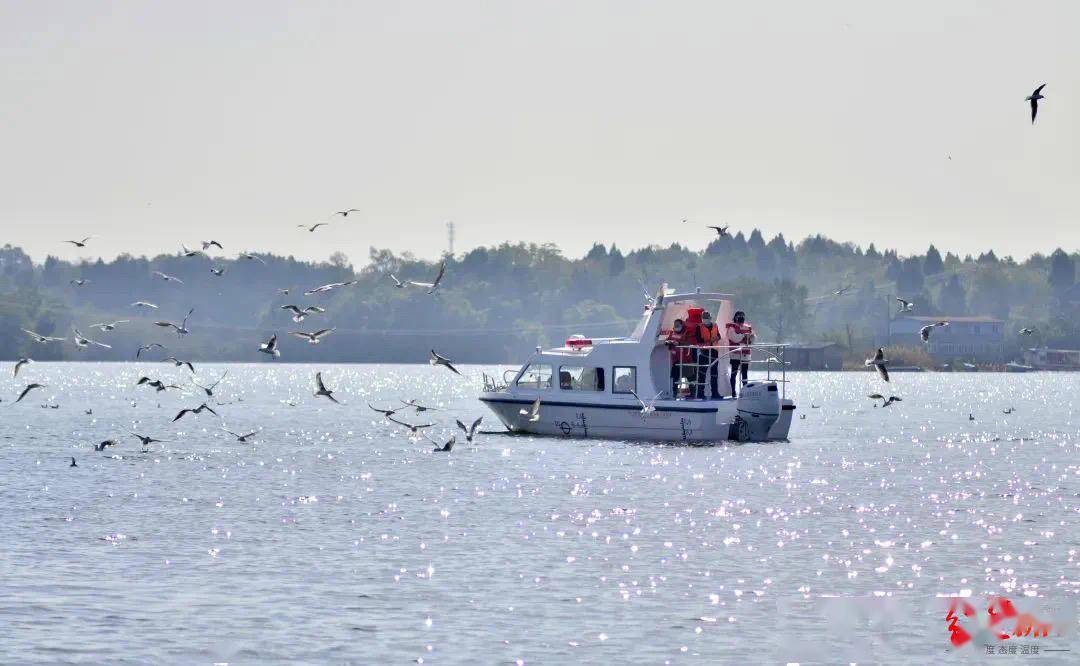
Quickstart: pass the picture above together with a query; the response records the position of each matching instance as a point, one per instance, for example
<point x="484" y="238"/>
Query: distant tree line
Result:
<point x="496" y="303"/>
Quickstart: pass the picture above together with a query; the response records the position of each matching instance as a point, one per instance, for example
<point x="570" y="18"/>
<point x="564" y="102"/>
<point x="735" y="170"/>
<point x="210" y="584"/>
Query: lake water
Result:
<point x="336" y="538"/>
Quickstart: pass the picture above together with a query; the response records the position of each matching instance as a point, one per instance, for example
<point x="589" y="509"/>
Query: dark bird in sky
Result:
<point x="446" y="448"/>
<point x="146" y="441"/>
<point x="414" y="428"/>
<point x="345" y="213"/>
<point x="252" y="257"/>
<point x="42" y="339"/>
<point x="1026" y="331"/>
<point x="314" y="226"/>
<point x="384" y="412"/>
<point x="107" y="443"/>
<point x="322" y="390"/>
<point x="720" y="231"/>
<point x="19" y="364"/>
<point x="81" y="243"/>
<point x="29" y="387"/>
<point x="418" y="407"/>
<point x="431" y="286"/>
<point x="470" y="432"/>
<point x="312" y="338"/>
<point x="209" y="390"/>
<point x="188" y="252"/>
<point x="168" y="278"/>
<point x="207" y="244"/>
<point x="270" y="347"/>
<point x="72" y="462"/>
<point x="891" y="400"/>
<point x="879" y="361"/>
<point x="299" y="315"/>
<point x="1034" y="99"/>
<point x="904" y="306"/>
<point x="241" y="438"/>
<point x="436" y="359"/>
<point x="198" y="410"/>
<point x="78" y="283"/>
<point x="178" y="363"/>
<point x="155" y="383"/>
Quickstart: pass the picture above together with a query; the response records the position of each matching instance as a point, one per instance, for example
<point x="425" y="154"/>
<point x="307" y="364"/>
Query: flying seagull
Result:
<point x="146" y="441"/>
<point x="879" y="362"/>
<point x="241" y="438"/>
<point x="842" y="290"/>
<point x="446" y="448"/>
<point x="218" y="270"/>
<point x="647" y="408"/>
<point x="298" y="314"/>
<point x="314" y="226"/>
<point x="924" y="332"/>
<point x="329" y="287"/>
<point x="414" y="428"/>
<point x="82" y="342"/>
<point x="470" y="432"/>
<point x="322" y="390"/>
<point x="72" y="462"/>
<point x="431" y="286"/>
<point x="312" y="338"/>
<point x="168" y="278"/>
<point x="106" y="443"/>
<point x="82" y="243"/>
<point x="29" y="387"/>
<point x="182" y="329"/>
<point x="188" y="252"/>
<point x="155" y="383"/>
<point x="904" y="306"/>
<point x="178" y="363"/>
<point x="42" y="339"/>
<point x="891" y="400"/>
<point x="419" y="408"/>
<point x="345" y="213"/>
<point x="105" y="326"/>
<point x="1023" y="331"/>
<point x="283" y="292"/>
<point x="398" y="283"/>
<point x="144" y="304"/>
<point x="720" y="231"/>
<point x="209" y="390"/>
<point x="19" y="364"/>
<point x="1034" y="99"/>
<point x="78" y="283"/>
<point x="436" y="359"/>
<point x="248" y="255"/>
<point x="206" y="245"/>
<point x="533" y="412"/>
<point x="384" y="412"/>
<point x="198" y="410"/>
<point x="270" y="347"/>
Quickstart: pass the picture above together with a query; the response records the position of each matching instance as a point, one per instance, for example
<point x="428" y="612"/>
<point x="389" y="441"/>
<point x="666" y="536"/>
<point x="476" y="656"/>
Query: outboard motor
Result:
<point x="758" y="408"/>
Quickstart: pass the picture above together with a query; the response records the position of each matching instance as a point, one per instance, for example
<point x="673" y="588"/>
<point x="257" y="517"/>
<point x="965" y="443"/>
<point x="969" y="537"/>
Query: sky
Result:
<point x="151" y="125"/>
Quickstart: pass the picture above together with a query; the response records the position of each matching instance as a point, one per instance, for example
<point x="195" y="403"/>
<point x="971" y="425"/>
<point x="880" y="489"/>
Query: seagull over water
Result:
<point x="252" y="257"/>
<point x="209" y="390"/>
<point x="436" y="359"/>
<point x="207" y="244"/>
<point x="398" y="283"/>
<point x="298" y="314"/>
<point x="217" y="270"/>
<point x="533" y="413"/>
<point x="146" y="441"/>
<point x="384" y="412"/>
<point x="345" y="213"/>
<point x="178" y="363"/>
<point x="79" y="283"/>
<point x="314" y="226"/>
<point x="19" y="364"/>
<point x="42" y="339"/>
<point x="414" y="428"/>
<point x="168" y="278"/>
<point x="241" y="438"/>
<point x="647" y="408"/>
<point x="29" y="387"/>
<point x="198" y="410"/>
<point x="879" y="362"/>
<point x="446" y="448"/>
<point x="470" y="431"/>
<point x="312" y="338"/>
<point x="322" y="390"/>
<point x="188" y="252"/>
<point x="329" y="287"/>
<point x="144" y="304"/>
<point x="82" y="342"/>
<point x="270" y="347"/>
<point x="155" y="383"/>
<point x="924" y="332"/>
<point x="181" y="330"/>
<point x="418" y="407"/>
<point x="1034" y="99"/>
<point x="106" y="326"/>
<point x="431" y="286"/>
<point x="904" y="306"/>
<point x="102" y="446"/>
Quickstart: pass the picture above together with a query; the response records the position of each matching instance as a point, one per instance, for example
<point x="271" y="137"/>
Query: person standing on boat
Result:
<point x="739" y="334"/>
<point x="709" y="338"/>
<point x="680" y="355"/>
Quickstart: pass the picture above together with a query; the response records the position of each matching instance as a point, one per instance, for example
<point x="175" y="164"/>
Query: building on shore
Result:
<point x="979" y="338"/>
<point x="1041" y="358"/>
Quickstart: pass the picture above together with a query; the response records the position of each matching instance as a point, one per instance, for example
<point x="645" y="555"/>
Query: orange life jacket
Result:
<point x="708" y="334"/>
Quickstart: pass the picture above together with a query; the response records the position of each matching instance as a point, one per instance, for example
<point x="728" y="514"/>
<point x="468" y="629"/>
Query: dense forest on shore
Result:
<point x="497" y="303"/>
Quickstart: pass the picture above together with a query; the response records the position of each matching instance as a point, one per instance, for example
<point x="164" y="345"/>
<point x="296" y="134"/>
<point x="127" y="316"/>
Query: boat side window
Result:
<point x="537" y="375"/>
<point x="624" y="379"/>
<point x="577" y="378"/>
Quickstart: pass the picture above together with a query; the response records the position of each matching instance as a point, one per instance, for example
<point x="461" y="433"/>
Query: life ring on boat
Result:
<point x="565" y="427"/>
<point x="740" y="429"/>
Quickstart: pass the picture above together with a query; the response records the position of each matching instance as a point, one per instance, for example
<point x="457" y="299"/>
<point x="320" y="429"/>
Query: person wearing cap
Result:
<point x="739" y="334"/>
<point x="709" y="338"/>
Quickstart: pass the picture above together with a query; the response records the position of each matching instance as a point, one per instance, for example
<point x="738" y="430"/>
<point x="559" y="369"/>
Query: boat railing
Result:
<point x="705" y="357"/>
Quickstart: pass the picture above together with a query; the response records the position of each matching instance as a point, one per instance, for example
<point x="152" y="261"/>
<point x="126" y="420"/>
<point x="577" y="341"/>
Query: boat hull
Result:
<point x="690" y="421"/>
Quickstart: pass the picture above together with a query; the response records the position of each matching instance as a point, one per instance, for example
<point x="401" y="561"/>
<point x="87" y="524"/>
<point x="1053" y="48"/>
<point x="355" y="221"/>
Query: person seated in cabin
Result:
<point x="708" y="368"/>
<point x="681" y="358"/>
<point x="566" y="382"/>
<point x="738" y="334"/>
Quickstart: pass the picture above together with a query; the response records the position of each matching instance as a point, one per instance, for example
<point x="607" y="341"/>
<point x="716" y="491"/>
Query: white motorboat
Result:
<point x="627" y="388"/>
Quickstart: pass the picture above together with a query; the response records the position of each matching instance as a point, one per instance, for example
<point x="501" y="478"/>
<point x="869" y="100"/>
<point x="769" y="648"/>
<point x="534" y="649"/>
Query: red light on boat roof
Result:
<point x="578" y="343"/>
